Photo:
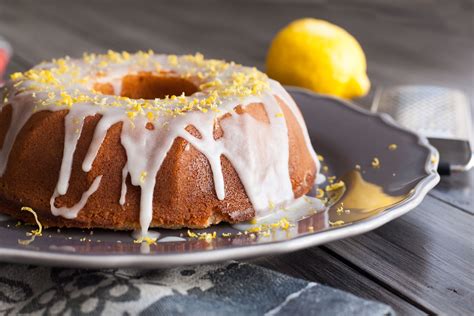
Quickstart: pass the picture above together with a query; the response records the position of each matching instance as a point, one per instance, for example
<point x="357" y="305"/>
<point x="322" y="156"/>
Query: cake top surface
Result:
<point x="66" y="82"/>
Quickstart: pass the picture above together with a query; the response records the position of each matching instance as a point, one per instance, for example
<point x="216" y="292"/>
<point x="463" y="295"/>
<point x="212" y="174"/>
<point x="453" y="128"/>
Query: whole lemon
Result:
<point x="320" y="56"/>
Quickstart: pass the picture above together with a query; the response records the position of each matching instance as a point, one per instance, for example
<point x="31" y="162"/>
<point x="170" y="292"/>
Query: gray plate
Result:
<point x="344" y="134"/>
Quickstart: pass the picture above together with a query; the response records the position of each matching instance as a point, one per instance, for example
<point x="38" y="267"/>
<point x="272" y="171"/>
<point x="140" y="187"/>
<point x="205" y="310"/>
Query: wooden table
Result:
<point x="419" y="263"/>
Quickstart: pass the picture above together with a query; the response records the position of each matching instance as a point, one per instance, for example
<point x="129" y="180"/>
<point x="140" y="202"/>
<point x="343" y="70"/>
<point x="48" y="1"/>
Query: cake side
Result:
<point x="184" y="195"/>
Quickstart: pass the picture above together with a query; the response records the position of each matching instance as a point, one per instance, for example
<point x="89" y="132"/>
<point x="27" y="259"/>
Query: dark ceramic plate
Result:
<point x="347" y="137"/>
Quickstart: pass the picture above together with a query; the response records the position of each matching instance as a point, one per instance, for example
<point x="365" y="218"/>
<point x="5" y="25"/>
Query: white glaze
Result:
<point x="171" y="239"/>
<point x="20" y="115"/>
<point x="139" y="235"/>
<point x="71" y="212"/>
<point x="320" y="179"/>
<point x="123" y="191"/>
<point x="293" y="211"/>
<point x="258" y="151"/>
<point x="74" y="121"/>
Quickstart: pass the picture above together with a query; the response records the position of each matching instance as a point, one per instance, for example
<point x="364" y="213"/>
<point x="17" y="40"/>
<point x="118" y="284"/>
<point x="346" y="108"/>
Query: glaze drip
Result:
<point x="71" y="212"/>
<point x="258" y="151"/>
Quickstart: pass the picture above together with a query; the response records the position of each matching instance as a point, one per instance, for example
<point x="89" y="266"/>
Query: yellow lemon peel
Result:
<point x="148" y="240"/>
<point x="319" y="56"/>
<point x="375" y="163"/>
<point x="336" y="223"/>
<point x="35" y="232"/>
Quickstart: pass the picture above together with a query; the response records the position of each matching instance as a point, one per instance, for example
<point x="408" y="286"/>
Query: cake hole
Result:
<point x="147" y="85"/>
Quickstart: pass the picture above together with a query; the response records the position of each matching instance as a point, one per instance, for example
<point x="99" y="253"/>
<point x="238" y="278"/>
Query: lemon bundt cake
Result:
<point x="132" y="141"/>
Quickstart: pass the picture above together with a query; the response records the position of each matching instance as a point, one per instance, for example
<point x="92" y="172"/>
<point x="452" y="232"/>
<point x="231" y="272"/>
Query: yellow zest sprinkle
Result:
<point x="392" y="147"/>
<point x="375" y="163"/>
<point x="336" y="223"/>
<point x="103" y="64"/>
<point x="319" y="193"/>
<point x="36" y="232"/>
<point x="271" y="205"/>
<point x="113" y="56"/>
<point x="253" y="221"/>
<point x="320" y="158"/>
<point x="66" y="99"/>
<point x="150" y="116"/>
<point x="33" y="233"/>
<point x="279" y="115"/>
<point x="192" y="234"/>
<point x="202" y="236"/>
<point x="173" y="60"/>
<point x="264" y="229"/>
<point x="131" y="114"/>
<point x="65" y="74"/>
<point x="148" y="240"/>
<point x="331" y="179"/>
<point x="284" y="224"/>
<point x="143" y="176"/>
<point x="208" y="237"/>
<point x="325" y="168"/>
<point x="16" y="76"/>
<point x="255" y="229"/>
<point x="226" y="235"/>
<point x="335" y="186"/>
<point x="88" y="58"/>
<point x="125" y="56"/>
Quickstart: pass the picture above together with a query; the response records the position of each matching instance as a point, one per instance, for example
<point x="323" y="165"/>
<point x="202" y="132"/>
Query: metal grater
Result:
<point x="441" y="114"/>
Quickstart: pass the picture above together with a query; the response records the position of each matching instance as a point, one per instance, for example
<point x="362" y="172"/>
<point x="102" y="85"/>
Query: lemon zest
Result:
<point x="375" y="163"/>
<point x="319" y="193"/>
<point x="336" y="223"/>
<point x="148" y="240"/>
<point x="35" y="232"/>
<point x="335" y="186"/>
<point x="192" y="234"/>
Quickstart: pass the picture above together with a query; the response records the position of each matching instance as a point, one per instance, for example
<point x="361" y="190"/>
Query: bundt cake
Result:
<point x="132" y="141"/>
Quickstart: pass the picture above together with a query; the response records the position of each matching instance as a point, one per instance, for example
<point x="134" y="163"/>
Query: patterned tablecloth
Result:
<point x="224" y="289"/>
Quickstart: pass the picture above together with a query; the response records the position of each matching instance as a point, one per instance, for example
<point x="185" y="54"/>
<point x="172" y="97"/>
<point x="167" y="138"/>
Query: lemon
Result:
<point x="320" y="56"/>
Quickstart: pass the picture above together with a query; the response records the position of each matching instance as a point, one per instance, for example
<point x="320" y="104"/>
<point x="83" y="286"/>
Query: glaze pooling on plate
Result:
<point x="260" y="159"/>
<point x="285" y="217"/>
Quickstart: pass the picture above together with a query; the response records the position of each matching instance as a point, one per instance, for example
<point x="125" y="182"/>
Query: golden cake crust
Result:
<point x="184" y="195"/>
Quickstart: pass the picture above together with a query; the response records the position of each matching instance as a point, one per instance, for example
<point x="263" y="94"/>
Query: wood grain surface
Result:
<point x="420" y="263"/>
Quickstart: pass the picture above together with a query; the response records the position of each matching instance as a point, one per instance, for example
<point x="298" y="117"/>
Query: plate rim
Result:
<point x="420" y="190"/>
